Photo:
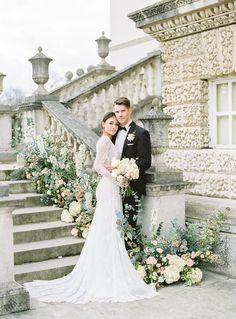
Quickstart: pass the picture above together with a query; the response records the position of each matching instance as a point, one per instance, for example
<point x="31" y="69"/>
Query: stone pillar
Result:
<point x="6" y="113"/>
<point x="5" y="121"/>
<point x="13" y="297"/>
<point x="165" y="200"/>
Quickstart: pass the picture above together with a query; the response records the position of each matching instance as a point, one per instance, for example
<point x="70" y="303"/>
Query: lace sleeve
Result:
<point x="103" y="149"/>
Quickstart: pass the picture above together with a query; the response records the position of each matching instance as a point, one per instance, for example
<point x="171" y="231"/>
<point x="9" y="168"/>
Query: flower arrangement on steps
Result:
<point x="61" y="180"/>
<point x="180" y="255"/>
<point x="159" y="260"/>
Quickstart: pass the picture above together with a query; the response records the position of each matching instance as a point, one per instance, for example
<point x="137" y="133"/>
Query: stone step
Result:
<point x="17" y="187"/>
<point x="24" y="200"/>
<point x="8" y="156"/>
<point x="6" y="170"/>
<point x="47" y="249"/>
<point x="39" y="214"/>
<point x="45" y="270"/>
<point x="32" y="199"/>
<point x="41" y="231"/>
<point x="4" y="190"/>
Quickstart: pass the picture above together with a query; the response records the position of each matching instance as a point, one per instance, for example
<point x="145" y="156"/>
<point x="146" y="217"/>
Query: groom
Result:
<point x="132" y="141"/>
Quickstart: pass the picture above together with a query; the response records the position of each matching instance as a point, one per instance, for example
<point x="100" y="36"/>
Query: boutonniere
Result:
<point x="131" y="137"/>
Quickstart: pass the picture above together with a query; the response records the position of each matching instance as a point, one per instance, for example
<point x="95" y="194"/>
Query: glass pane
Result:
<point x="234" y="130"/>
<point x="222" y="97"/>
<point x="234" y="96"/>
<point x="222" y="130"/>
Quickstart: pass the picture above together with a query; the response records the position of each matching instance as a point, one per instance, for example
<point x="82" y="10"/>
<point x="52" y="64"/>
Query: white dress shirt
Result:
<point x="120" y="139"/>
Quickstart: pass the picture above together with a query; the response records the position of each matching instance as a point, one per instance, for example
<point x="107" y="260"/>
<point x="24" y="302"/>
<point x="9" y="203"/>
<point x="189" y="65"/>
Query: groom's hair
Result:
<point x="123" y="101"/>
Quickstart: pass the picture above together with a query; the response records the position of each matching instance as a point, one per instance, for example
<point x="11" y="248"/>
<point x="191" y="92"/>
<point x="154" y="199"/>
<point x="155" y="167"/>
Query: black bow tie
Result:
<point x="122" y="128"/>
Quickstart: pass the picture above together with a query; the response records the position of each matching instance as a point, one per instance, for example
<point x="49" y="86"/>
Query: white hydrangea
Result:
<point x="171" y="274"/>
<point x="66" y="216"/>
<point x="74" y="208"/>
<point x="195" y="276"/>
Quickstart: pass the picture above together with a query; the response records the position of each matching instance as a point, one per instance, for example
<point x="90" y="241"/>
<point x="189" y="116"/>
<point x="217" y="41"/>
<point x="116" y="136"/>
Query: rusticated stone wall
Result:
<point x="198" y="44"/>
<point x="188" y="65"/>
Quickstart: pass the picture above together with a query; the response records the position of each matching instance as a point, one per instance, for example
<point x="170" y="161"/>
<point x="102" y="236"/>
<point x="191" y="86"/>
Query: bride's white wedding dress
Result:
<point x="104" y="272"/>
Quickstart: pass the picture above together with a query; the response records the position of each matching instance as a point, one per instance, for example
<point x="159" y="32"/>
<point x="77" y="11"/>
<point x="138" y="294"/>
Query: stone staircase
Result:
<point x="43" y="245"/>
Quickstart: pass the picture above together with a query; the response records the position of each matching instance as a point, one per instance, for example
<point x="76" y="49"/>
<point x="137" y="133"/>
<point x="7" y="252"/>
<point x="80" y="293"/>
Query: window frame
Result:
<point x="213" y="114"/>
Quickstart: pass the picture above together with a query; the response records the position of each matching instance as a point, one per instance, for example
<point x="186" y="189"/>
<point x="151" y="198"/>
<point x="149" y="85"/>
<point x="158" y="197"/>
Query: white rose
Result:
<point x="74" y="232"/>
<point x="115" y="163"/>
<point x="66" y="216"/>
<point x="196" y="275"/>
<point x="114" y="173"/>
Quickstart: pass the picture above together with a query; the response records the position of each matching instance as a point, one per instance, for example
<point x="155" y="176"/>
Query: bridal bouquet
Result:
<point x="124" y="171"/>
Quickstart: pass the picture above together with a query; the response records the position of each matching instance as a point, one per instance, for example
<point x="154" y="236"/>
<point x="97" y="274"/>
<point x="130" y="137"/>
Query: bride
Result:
<point x="104" y="272"/>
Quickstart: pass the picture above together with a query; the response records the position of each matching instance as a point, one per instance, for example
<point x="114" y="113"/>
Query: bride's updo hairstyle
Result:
<point x="108" y="116"/>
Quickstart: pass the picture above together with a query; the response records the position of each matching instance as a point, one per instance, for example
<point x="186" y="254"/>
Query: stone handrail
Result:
<point x="73" y="132"/>
<point x="83" y="81"/>
<point x="138" y="82"/>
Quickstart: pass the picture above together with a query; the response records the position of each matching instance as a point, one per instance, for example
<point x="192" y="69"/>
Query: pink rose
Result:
<point x="151" y="260"/>
<point x="169" y="257"/>
<point x="193" y="254"/>
<point x="189" y="262"/>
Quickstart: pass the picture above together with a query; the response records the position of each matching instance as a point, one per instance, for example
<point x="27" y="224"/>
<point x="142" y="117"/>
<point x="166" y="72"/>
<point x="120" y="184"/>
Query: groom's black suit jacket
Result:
<point x="139" y="149"/>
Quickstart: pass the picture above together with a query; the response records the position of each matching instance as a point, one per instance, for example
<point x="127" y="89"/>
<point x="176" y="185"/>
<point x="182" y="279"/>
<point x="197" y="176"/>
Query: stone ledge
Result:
<point x="170" y="188"/>
<point x="202" y="207"/>
<point x="13" y="298"/>
<point x="175" y="22"/>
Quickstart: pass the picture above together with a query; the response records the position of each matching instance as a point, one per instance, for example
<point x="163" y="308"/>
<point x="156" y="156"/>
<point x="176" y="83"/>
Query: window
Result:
<point x="223" y="115"/>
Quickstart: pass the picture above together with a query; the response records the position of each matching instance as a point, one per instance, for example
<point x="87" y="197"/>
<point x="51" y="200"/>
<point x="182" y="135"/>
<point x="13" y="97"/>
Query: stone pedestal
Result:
<point x="6" y="113"/>
<point x="13" y="297"/>
<point x="164" y="203"/>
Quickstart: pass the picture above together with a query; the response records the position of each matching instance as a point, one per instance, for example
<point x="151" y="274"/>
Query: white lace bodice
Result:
<point x="105" y="151"/>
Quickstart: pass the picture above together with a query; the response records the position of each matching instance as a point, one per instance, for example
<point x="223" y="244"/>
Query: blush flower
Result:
<point x="151" y="260"/>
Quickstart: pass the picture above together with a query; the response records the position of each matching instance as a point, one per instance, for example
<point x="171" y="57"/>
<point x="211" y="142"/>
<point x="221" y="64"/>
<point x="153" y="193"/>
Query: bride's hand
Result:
<point x="109" y="168"/>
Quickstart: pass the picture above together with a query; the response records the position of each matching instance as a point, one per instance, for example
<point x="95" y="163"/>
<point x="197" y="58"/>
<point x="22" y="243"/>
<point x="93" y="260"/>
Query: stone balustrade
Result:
<point x="60" y="122"/>
<point x="82" y="82"/>
<point x="138" y="82"/>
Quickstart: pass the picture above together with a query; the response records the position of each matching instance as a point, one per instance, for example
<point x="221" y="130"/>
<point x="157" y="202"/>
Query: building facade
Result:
<point x="128" y="43"/>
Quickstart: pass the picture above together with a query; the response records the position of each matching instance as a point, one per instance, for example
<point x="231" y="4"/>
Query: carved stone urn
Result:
<point x="40" y="63"/>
